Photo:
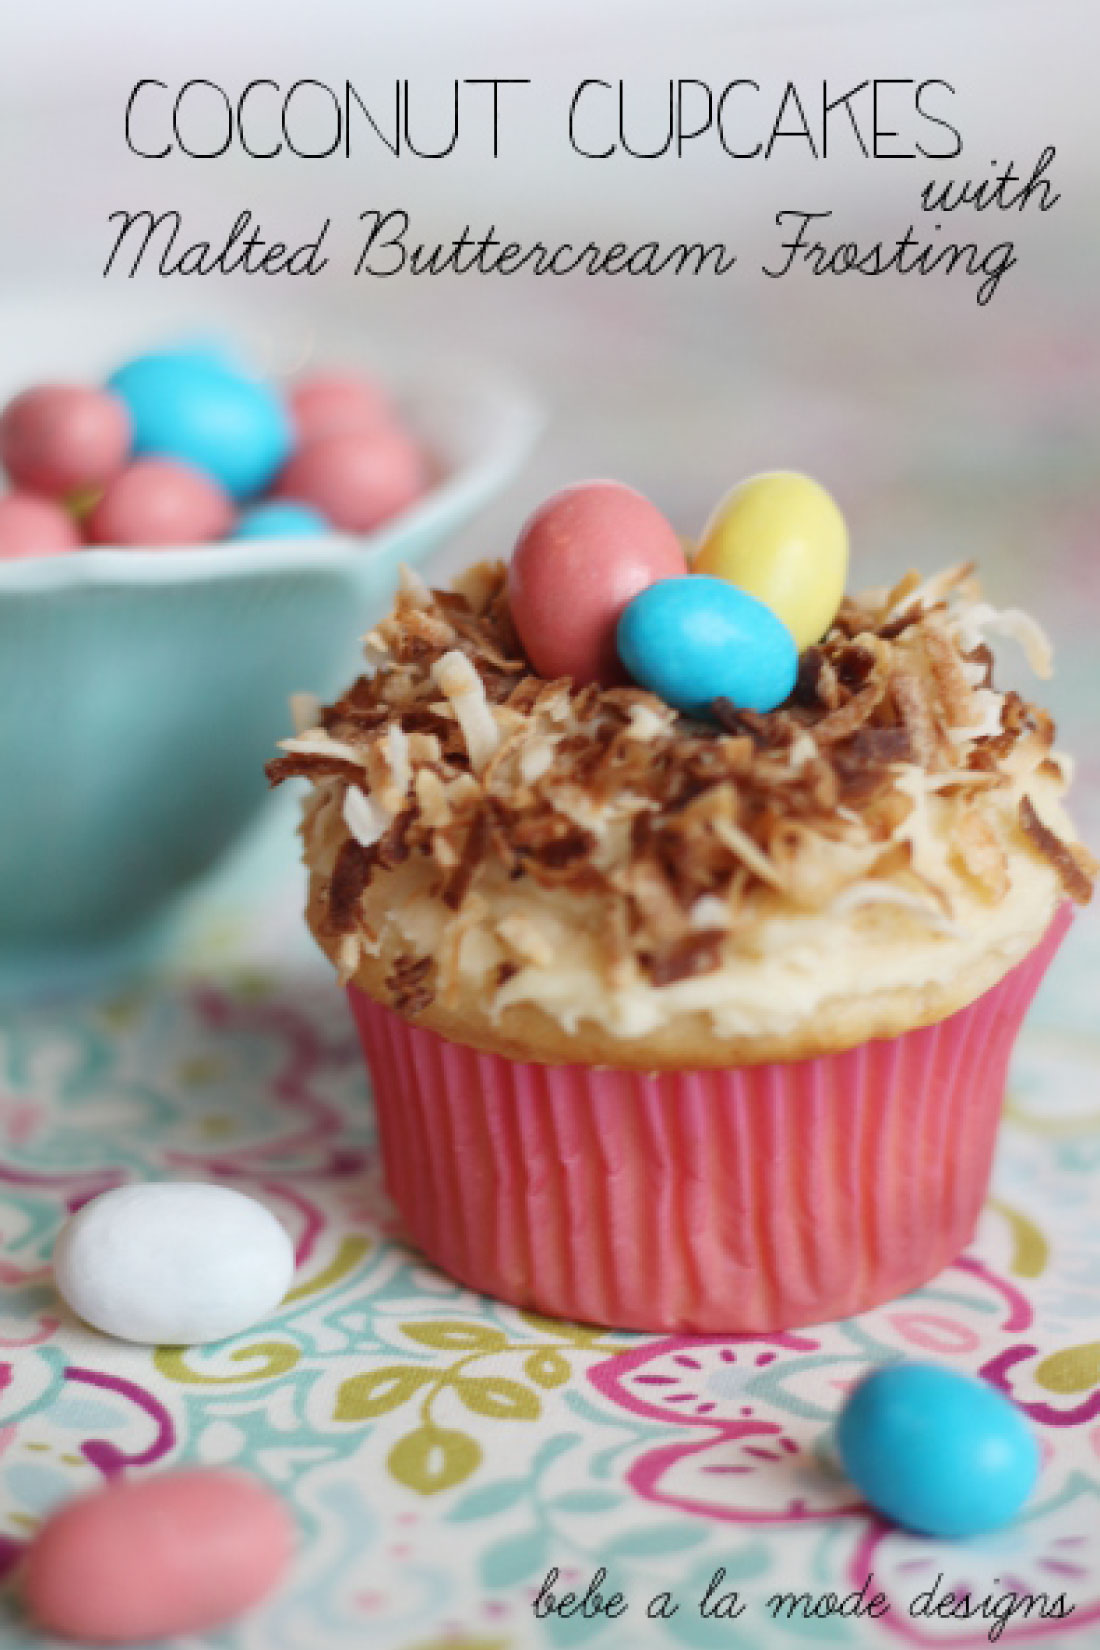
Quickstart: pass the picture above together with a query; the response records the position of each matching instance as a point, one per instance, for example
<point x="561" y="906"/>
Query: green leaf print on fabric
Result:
<point x="499" y="1399"/>
<point x="433" y="1458"/>
<point x="456" y="1337"/>
<point x="362" y="1397"/>
<point x="1074" y="1369"/>
<point x="547" y="1368"/>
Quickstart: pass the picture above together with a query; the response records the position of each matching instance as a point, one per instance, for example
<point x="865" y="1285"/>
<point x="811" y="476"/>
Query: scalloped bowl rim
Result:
<point x="512" y="418"/>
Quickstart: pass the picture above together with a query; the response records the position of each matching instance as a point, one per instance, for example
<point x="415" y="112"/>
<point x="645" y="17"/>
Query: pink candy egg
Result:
<point x="59" y="438"/>
<point x="578" y="561"/>
<point x="157" y="502"/>
<point x="332" y="403"/>
<point x="174" y="1554"/>
<point x="357" y="479"/>
<point x="32" y="526"/>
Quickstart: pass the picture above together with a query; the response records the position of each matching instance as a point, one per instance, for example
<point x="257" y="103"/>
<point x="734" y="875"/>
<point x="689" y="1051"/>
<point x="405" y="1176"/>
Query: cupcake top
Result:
<point x="533" y="859"/>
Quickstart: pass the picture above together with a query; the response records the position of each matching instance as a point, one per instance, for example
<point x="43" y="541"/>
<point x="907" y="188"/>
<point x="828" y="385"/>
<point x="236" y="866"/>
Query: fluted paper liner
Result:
<point x="746" y="1200"/>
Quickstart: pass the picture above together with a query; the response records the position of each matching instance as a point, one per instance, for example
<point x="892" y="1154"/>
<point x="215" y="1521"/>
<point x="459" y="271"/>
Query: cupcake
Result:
<point x="692" y="1022"/>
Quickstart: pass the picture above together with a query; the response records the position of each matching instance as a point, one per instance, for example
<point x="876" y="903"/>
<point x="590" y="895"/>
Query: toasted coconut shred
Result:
<point x="479" y="827"/>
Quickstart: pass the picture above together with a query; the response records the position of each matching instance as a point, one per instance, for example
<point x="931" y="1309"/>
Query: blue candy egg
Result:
<point x="937" y="1452"/>
<point x="695" y="639"/>
<point x="188" y="405"/>
<point x="280" y="519"/>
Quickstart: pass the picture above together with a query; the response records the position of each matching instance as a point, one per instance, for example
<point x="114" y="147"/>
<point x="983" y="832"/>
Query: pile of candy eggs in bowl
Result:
<point x="185" y="544"/>
<point x="601" y="590"/>
<point x="186" y="446"/>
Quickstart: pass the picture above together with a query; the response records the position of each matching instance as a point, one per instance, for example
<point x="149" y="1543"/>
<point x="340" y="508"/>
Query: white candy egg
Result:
<point x="173" y="1263"/>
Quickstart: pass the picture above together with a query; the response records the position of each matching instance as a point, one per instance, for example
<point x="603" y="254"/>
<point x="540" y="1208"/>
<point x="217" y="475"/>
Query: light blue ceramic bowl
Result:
<point x="142" y="691"/>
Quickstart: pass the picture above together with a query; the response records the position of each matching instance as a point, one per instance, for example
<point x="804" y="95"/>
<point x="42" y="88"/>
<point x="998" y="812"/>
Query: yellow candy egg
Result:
<point x="781" y="537"/>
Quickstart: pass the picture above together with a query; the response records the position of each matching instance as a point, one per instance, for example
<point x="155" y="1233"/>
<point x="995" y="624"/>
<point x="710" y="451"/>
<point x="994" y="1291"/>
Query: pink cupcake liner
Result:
<point x="745" y="1200"/>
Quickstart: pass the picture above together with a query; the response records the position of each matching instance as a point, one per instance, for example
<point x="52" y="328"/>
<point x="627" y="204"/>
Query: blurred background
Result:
<point x="946" y="429"/>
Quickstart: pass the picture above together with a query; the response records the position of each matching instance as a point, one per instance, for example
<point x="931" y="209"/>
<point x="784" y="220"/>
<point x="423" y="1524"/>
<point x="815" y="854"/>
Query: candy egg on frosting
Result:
<point x="578" y="561"/>
<point x="695" y="639"/>
<point x="781" y="537"/>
